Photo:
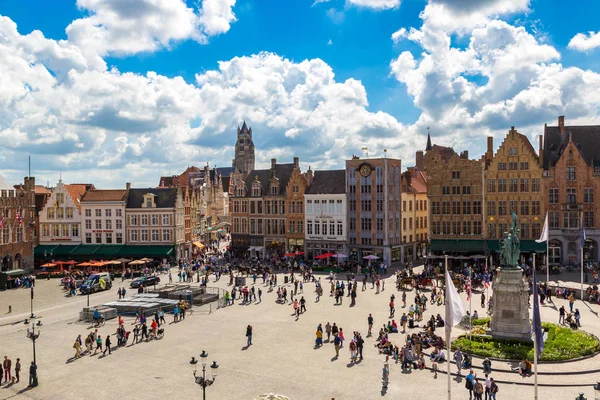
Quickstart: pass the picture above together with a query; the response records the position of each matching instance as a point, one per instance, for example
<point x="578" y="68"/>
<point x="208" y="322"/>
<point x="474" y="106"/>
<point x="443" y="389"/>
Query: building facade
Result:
<point x="103" y="220"/>
<point x="294" y="198"/>
<point x="17" y="225"/>
<point x="513" y="183"/>
<point x="374" y="209"/>
<point x="571" y="180"/>
<point x="415" y="214"/>
<point x="325" y="213"/>
<point x="155" y="216"/>
<point x="60" y="219"/>
<point x="258" y="208"/>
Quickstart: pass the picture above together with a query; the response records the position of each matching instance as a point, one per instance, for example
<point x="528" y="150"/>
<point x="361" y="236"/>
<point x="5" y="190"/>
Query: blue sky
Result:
<point x="319" y="80"/>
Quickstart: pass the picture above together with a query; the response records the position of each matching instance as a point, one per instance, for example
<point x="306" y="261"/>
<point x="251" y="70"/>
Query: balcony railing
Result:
<point x="571" y="207"/>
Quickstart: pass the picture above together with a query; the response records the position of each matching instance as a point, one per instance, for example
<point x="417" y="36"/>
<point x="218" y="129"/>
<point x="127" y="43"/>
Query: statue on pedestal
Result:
<point x="511" y="246"/>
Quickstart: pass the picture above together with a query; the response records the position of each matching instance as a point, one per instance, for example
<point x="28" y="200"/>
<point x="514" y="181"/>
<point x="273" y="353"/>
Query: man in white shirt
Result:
<point x="488" y="385"/>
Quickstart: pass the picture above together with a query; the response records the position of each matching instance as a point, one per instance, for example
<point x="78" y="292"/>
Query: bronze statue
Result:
<point x="511" y="246"/>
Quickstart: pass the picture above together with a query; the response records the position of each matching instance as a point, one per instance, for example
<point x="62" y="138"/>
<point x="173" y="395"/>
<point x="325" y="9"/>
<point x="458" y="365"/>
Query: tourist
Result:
<point x="561" y="315"/>
<point x="1" y="374"/>
<point x="386" y="372"/>
<point x="488" y="384"/>
<point x="296" y="309"/>
<point x="483" y="300"/>
<point x="458" y="358"/>
<point x="403" y="321"/>
<point x="98" y="344"/>
<point x="319" y="333"/>
<point x="341" y="336"/>
<point x="18" y="370"/>
<point x="32" y="373"/>
<point x="107" y="345"/>
<point x="77" y="347"/>
<point x="478" y="389"/>
<point x="337" y="344"/>
<point x="475" y="315"/>
<point x="359" y="345"/>
<point x="493" y="389"/>
<point x="370" y="323"/>
<point x="302" y="305"/>
<point x="259" y="295"/>
<point x="392" y="309"/>
<point x="487" y="366"/>
<point x="7" y="364"/>
<point x="403" y="299"/>
<point x="144" y="331"/>
<point x="249" y="335"/>
<point x="470" y="383"/>
<point x="334" y="330"/>
<point x="571" y="301"/>
<point x="328" y="331"/>
<point x="577" y="317"/>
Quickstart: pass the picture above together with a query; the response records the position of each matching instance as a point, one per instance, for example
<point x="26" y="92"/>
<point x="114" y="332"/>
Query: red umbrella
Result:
<point x="326" y="255"/>
<point x="289" y="254"/>
<point x="299" y="253"/>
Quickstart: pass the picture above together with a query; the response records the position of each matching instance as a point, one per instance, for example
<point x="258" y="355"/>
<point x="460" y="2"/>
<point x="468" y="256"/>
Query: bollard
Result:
<point x="9" y="309"/>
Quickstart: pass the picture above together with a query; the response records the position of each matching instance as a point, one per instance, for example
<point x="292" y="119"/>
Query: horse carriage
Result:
<point x="457" y="280"/>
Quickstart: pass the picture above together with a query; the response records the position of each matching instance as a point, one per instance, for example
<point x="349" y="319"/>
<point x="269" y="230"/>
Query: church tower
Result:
<point x="244" y="150"/>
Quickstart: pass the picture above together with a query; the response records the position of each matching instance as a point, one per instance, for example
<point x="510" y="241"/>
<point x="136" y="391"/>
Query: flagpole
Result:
<point x="447" y="329"/>
<point x="581" y="273"/>
<point x="535" y="363"/>
<point x="581" y="245"/>
<point x="547" y="263"/>
<point x="470" y="294"/>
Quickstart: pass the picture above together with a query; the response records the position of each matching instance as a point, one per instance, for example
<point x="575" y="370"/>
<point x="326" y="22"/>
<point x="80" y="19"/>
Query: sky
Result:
<point x="115" y="91"/>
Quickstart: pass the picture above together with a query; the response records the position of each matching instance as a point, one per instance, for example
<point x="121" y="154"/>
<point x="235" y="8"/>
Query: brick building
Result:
<point x="374" y="209"/>
<point x="455" y="192"/>
<point x="294" y="193"/>
<point x="17" y="225"/>
<point x="513" y="183"/>
<point x="571" y="163"/>
<point x="258" y="210"/>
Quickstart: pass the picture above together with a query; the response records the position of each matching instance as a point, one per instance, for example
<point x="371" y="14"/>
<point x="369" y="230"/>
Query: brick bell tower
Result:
<point x="244" y="150"/>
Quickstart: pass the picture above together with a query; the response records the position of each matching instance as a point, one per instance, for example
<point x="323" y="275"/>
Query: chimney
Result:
<point x="541" y="150"/>
<point x="296" y="162"/>
<point x="561" y="123"/>
<point x="128" y="185"/>
<point x="464" y="155"/>
<point x="419" y="161"/>
<point x="273" y="162"/>
<point x="490" y="144"/>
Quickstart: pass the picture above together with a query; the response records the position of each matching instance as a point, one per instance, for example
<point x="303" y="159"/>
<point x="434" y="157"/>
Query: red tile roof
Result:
<point x="77" y="190"/>
<point x="104" y="195"/>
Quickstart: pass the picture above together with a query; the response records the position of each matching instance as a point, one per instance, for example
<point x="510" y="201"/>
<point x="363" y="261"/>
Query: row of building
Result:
<point x="446" y="204"/>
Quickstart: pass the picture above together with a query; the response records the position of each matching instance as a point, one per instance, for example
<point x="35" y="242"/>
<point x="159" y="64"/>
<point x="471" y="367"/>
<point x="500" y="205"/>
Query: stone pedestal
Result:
<point x="510" y="318"/>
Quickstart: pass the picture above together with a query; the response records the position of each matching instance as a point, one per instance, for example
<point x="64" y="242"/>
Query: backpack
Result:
<point x="468" y="384"/>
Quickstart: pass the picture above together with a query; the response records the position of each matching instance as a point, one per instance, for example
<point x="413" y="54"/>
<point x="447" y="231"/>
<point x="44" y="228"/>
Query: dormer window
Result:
<point x="273" y="189"/>
<point x="149" y="201"/>
<point x="256" y="189"/>
<point x="240" y="192"/>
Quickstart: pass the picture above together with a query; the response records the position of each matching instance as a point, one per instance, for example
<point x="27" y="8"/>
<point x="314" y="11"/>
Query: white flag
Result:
<point x="544" y="235"/>
<point x="455" y="310"/>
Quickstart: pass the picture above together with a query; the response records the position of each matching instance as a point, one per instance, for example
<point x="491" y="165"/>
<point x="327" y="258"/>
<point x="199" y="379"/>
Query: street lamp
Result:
<point x="33" y="335"/>
<point x="597" y="391"/>
<point x="201" y="380"/>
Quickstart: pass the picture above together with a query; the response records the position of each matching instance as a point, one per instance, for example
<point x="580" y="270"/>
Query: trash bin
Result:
<point x="286" y="279"/>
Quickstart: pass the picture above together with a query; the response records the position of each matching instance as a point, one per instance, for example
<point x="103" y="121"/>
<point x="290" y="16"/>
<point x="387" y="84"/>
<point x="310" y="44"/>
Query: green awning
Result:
<point x="145" y="251"/>
<point x="64" y="250"/>
<point x="38" y="252"/>
<point x="477" y="246"/>
<point x="85" y="250"/>
<point x="108" y="250"/>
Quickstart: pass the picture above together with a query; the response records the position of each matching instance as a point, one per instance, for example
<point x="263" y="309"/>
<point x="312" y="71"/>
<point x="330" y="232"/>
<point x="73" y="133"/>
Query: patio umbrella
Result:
<point x="325" y="255"/>
<point x="137" y="262"/>
<point x="123" y="260"/>
<point x="146" y="259"/>
<point x="299" y="253"/>
<point x="339" y="255"/>
<point x="289" y="255"/>
<point x="370" y="257"/>
<point x="70" y="262"/>
<point x="84" y="264"/>
<point x="49" y="265"/>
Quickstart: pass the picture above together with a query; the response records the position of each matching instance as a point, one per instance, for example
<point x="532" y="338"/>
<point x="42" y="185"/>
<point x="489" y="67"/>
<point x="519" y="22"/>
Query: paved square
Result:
<point x="282" y="359"/>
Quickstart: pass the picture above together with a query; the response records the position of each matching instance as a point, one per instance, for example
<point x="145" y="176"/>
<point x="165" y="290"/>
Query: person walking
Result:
<point x="458" y="358"/>
<point x="107" y="345"/>
<point x="319" y="333"/>
<point x="386" y="372"/>
<point x="302" y="305"/>
<point x="478" y="389"/>
<point x="483" y="300"/>
<point x="493" y="389"/>
<point x="18" y="370"/>
<point x="259" y="295"/>
<point x="77" y="347"/>
<point x="571" y="301"/>
<point x="370" y="323"/>
<point x="98" y="344"/>
<point x="328" y="331"/>
<point x="296" y="309"/>
<point x="359" y="345"/>
<point x="7" y="364"/>
<point x="249" y="335"/>
<point x="561" y="315"/>
<point x="337" y="344"/>
<point x="470" y="383"/>
<point x="334" y="330"/>
<point x="1" y="374"/>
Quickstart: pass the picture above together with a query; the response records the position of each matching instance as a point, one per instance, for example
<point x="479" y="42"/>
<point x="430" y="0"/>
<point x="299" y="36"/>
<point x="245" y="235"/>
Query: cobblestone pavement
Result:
<point x="282" y="358"/>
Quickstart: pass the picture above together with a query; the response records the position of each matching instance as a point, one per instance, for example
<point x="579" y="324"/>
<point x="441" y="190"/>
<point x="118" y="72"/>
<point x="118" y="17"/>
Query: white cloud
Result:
<point x="124" y="27"/>
<point x="329" y="42"/>
<point x="108" y="127"/>
<point x="583" y="42"/>
<point x="399" y="34"/>
<point x="376" y="4"/>
<point x="336" y="16"/>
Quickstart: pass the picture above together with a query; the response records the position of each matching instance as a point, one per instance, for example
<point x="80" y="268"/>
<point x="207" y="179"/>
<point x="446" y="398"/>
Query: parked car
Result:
<point x="96" y="283"/>
<point x="145" y="281"/>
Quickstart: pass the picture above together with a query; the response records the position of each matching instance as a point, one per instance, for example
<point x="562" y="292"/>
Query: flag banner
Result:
<point x="486" y="280"/>
<point x="544" y="235"/>
<point x="468" y="288"/>
<point x="536" y="327"/>
<point x="582" y="244"/>
<point x="455" y="311"/>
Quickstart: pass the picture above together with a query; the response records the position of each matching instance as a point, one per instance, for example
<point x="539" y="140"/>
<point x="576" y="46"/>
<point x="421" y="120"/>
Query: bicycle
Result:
<point x="99" y="322"/>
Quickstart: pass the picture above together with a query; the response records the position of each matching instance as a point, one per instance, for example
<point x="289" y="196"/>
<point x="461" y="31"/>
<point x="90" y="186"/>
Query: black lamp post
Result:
<point x="33" y="335"/>
<point x="201" y="380"/>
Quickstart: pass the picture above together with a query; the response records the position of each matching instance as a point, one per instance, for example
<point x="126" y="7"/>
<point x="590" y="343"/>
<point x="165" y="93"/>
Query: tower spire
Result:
<point x="428" y="147"/>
